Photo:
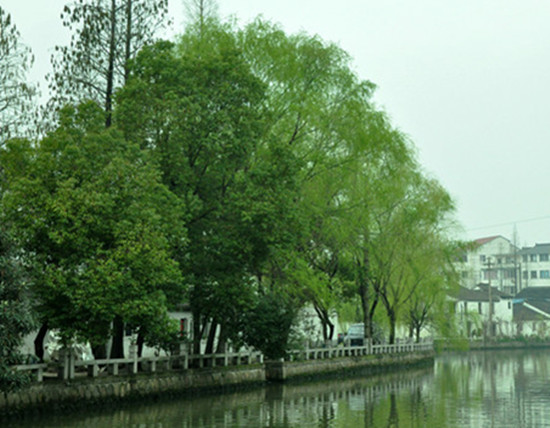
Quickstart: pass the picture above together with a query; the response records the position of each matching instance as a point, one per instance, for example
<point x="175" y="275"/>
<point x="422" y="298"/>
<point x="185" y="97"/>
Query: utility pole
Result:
<point x="490" y="333"/>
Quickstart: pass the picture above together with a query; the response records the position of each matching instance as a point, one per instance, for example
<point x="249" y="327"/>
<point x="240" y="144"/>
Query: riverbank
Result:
<point x="83" y="392"/>
<point x="508" y="344"/>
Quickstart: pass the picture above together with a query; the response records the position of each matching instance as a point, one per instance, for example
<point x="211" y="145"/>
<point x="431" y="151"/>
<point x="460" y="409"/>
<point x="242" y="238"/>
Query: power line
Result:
<point x="510" y="223"/>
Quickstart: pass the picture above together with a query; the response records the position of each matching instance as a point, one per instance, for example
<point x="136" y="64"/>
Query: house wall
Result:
<point x="473" y="315"/>
<point x="504" y="259"/>
<point x="535" y="266"/>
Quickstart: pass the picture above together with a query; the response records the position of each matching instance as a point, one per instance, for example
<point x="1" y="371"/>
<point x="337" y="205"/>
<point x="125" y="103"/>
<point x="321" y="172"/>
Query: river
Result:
<point x="478" y="389"/>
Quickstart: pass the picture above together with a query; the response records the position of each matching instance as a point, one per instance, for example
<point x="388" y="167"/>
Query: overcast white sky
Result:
<point x="467" y="80"/>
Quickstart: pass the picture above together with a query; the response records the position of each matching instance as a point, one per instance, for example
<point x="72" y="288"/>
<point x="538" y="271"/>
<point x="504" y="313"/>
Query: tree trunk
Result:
<point x="117" y="348"/>
<point x="391" y="317"/>
<point x="197" y="333"/>
<point x="222" y="341"/>
<point x="99" y="352"/>
<point x="110" y="68"/>
<point x="327" y="327"/>
<point x="128" y="39"/>
<point x="140" y="342"/>
<point x="365" y="307"/>
<point x="418" y="328"/>
<point x="39" y="341"/>
<point x="211" y="337"/>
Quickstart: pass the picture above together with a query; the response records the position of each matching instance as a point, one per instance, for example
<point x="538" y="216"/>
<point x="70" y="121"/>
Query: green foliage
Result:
<point x="200" y="113"/>
<point x="267" y="326"/>
<point x="91" y="210"/>
<point x="15" y="313"/>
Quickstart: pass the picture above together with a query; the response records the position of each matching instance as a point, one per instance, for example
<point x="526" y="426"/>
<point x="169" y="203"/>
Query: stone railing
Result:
<point x="357" y="351"/>
<point x="68" y="367"/>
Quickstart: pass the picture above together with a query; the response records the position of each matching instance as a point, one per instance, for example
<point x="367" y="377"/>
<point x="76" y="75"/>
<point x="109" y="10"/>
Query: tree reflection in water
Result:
<point x="481" y="389"/>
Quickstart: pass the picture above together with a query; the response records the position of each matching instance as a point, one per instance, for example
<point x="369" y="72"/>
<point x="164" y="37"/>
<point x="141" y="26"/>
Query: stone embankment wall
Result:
<point x="281" y="371"/>
<point x="83" y="391"/>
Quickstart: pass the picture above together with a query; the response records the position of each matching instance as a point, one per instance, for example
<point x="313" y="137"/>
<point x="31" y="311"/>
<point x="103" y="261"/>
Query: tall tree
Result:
<point x="91" y="209"/>
<point x="106" y="34"/>
<point x="16" y="94"/>
<point x="199" y="12"/>
<point x="199" y="112"/>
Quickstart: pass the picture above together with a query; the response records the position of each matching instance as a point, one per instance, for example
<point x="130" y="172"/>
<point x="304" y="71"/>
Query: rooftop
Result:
<point x="534" y="293"/>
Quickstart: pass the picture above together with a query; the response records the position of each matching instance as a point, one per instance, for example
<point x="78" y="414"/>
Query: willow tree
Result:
<point x="16" y="94"/>
<point x="316" y="108"/>
<point x="410" y="228"/>
<point x="106" y="34"/>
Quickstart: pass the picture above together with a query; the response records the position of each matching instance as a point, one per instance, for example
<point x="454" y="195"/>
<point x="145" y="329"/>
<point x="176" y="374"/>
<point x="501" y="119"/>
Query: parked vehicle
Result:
<point x="356" y="335"/>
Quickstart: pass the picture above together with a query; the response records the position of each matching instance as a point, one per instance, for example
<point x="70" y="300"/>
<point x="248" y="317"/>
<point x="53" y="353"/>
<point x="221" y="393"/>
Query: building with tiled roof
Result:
<point x="493" y="259"/>
<point x="480" y="307"/>
<point x="535" y="266"/>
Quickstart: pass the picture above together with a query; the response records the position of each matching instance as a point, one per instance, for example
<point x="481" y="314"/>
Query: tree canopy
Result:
<point x="91" y="210"/>
<point x="243" y="171"/>
<point x="16" y="93"/>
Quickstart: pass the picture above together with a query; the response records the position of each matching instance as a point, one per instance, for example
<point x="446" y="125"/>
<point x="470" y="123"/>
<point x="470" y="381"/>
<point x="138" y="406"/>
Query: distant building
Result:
<point x="493" y="260"/>
<point x="535" y="266"/>
<point x="483" y="311"/>
<point x="532" y="312"/>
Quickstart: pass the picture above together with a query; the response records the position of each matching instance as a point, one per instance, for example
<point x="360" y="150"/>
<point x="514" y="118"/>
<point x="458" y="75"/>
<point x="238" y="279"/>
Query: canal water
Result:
<point x="478" y="389"/>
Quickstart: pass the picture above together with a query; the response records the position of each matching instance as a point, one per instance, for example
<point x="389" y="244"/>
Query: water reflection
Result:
<point x="491" y="389"/>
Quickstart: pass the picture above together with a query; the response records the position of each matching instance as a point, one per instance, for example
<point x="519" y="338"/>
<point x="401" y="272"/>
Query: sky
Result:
<point x="467" y="80"/>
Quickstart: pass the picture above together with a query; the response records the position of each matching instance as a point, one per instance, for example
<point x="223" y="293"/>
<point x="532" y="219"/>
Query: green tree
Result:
<point x="106" y="34"/>
<point x="91" y="209"/>
<point x="16" y="94"/>
<point x="408" y="224"/>
<point x="268" y="324"/>
<point x="199" y="113"/>
<point x="435" y="272"/>
<point x="15" y="313"/>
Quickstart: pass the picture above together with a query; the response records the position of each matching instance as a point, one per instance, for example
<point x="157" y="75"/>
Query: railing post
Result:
<point x="133" y="355"/>
<point x="225" y="356"/>
<point x="71" y="363"/>
<point x="63" y="368"/>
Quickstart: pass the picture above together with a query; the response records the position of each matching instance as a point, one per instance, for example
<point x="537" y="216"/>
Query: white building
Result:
<point x="535" y="266"/>
<point x="493" y="260"/>
<point x="480" y="308"/>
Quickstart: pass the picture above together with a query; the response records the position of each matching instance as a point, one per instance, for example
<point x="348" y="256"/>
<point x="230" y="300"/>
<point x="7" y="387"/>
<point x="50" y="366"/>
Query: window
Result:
<point x="493" y="274"/>
<point x="533" y="257"/>
<point x="482" y="258"/>
<point x="183" y="326"/>
<point x="509" y="305"/>
<point x="464" y="274"/>
<point x="499" y="261"/>
<point x="524" y="258"/>
<point x="543" y="257"/>
<point x="533" y="274"/>
<point x="524" y="274"/>
<point x="545" y="273"/>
